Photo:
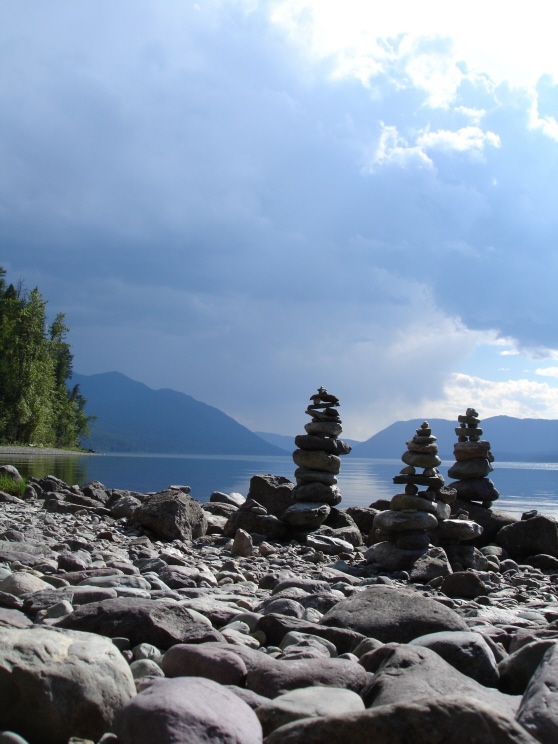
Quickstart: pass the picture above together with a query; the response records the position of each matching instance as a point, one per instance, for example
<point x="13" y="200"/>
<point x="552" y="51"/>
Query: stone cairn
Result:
<point x="473" y="462"/>
<point x="318" y="464"/>
<point x="418" y="518"/>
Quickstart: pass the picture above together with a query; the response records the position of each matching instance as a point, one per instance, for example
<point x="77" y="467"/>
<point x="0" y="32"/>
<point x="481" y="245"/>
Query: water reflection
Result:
<point x="522" y="486"/>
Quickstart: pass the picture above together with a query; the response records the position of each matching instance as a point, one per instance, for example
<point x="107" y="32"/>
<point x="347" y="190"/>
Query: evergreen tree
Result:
<point x="36" y="406"/>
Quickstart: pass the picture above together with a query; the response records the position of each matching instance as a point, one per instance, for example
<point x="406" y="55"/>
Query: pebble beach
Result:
<point x="128" y="617"/>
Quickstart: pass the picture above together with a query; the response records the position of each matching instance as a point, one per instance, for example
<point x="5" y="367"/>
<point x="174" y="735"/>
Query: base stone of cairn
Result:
<point x="318" y="461"/>
<point x="417" y="518"/>
<point x="473" y="462"/>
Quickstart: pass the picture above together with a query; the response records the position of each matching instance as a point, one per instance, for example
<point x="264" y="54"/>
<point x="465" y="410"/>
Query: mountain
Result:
<point x="511" y="439"/>
<point x="132" y="417"/>
<point x="287" y="443"/>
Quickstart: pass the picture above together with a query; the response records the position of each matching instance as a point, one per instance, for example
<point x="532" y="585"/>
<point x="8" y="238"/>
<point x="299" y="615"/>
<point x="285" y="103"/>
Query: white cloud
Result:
<point x="518" y="398"/>
<point x="466" y="139"/>
<point x="547" y="371"/>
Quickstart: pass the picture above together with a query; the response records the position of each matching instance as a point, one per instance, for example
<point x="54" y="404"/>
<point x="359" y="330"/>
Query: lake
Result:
<point x="522" y="486"/>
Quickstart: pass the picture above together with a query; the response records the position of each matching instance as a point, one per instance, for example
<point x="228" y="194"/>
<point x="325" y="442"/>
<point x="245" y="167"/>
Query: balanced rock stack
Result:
<point x="318" y="461"/>
<point x="473" y="462"/>
<point x="404" y="529"/>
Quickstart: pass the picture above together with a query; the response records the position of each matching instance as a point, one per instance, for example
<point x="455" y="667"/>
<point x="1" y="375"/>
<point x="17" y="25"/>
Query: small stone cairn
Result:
<point x="473" y="462"/>
<point x="418" y="518"/>
<point x="318" y="461"/>
<point x="405" y="527"/>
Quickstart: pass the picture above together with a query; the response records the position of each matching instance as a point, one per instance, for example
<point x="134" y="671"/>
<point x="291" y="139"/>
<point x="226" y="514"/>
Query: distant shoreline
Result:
<point x="13" y="450"/>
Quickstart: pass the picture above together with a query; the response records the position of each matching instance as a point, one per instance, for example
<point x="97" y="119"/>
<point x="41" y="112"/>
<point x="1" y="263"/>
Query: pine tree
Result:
<point x="36" y="406"/>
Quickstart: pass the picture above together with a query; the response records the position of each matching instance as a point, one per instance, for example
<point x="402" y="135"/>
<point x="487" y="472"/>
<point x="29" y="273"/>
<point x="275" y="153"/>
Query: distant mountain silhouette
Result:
<point x="511" y="439"/>
<point x="132" y="417"/>
<point x="287" y="443"/>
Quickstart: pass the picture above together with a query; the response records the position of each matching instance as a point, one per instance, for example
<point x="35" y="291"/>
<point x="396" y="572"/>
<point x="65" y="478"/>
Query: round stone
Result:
<point x="404" y="501"/>
<point x="421" y="461"/>
<point x="317" y="460"/>
<point x="317" y="492"/>
<point x="305" y="475"/>
<point x="323" y="428"/>
<point x="458" y="529"/>
<point x="306" y="514"/>
<point x="476" y="468"/>
<point x="405" y="521"/>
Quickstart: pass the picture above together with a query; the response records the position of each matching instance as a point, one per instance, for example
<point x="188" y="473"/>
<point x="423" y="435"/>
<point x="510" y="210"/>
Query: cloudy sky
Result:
<point x="246" y="199"/>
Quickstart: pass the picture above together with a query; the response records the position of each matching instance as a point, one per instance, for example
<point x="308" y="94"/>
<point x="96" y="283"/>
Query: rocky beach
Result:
<point x="128" y="617"/>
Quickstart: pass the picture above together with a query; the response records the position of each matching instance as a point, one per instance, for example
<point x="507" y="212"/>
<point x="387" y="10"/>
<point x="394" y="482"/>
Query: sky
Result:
<point x="244" y="200"/>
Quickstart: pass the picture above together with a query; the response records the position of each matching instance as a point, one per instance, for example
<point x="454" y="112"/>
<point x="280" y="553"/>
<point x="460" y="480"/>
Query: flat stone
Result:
<point x="317" y="460"/>
<point x="395" y="521"/>
<point x="392" y="614"/>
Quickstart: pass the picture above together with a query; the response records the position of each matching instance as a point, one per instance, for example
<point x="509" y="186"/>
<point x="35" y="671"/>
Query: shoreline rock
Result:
<point x="239" y="633"/>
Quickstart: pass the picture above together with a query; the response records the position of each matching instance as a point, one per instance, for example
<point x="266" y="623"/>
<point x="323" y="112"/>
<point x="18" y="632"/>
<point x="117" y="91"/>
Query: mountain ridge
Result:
<point x="132" y="417"/>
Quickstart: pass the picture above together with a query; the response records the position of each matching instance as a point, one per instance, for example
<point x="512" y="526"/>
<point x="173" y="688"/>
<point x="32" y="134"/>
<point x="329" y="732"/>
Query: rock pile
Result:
<point x="111" y="633"/>
<point x="318" y="464"/>
<point x="473" y="462"/>
<point x="418" y="519"/>
<point x="404" y="530"/>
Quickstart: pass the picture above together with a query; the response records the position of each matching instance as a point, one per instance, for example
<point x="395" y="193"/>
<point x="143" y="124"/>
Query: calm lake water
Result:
<point x="522" y="486"/>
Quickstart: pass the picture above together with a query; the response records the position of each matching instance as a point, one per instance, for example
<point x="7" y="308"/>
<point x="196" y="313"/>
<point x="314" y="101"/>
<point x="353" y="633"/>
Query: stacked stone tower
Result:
<point x="405" y="527"/>
<point x="473" y="462"/>
<point x="418" y="519"/>
<point x="318" y="463"/>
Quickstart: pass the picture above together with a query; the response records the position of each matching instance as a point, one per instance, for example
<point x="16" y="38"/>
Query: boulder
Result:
<point x="141" y="621"/>
<point x="204" y="660"/>
<point x="538" y="712"/>
<point x="530" y="536"/>
<point x="392" y="614"/>
<point x="466" y="651"/>
<point x="273" y="492"/>
<point x="307" y="702"/>
<point x="412" y="672"/>
<point x="187" y="709"/>
<point x="281" y="676"/>
<point x="172" y="515"/>
<point x="459" y="720"/>
<point x="54" y="685"/>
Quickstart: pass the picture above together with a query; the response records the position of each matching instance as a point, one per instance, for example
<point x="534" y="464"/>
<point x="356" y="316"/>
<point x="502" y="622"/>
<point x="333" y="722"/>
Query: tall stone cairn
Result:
<point x="473" y="462"/>
<point x="413" y="515"/>
<point x="318" y="460"/>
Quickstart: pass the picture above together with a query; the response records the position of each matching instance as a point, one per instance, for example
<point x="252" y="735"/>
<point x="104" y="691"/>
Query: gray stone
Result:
<point x="54" y="685"/>
<point x="306" y="514"/>
<point x="432" y="564"/>
<point x="391" y="614"/>
<point x="517" y="669"/>
<point x="141" y="621"/>
<point x="459" y="720"/>
<point x="204" y="660"/>
<point x="398" y="521"/>
<point x="273" y="492"/>
<point x="317" y="460"/>
<point x="307" y="702"/>
<point x="466" y="651"/>
<point x="529" y="537"/>
<point x="187" y="709"/>
<point x="412" y="672"/>
<point x="172" y="515"/>
<point x="281" y="676"/>
<point x="538" y="712"/>
<point x="232" y="499"/>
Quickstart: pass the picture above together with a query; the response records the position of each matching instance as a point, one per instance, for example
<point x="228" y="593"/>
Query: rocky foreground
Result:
<point x="131" y="618"/>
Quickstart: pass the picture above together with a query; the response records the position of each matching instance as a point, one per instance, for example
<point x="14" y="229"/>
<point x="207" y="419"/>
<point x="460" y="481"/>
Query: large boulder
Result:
<point x="281" y="676"/>
<point x="273" y="492"/>
<point x="392" y="614"/>
<point x="54" y="685"/>
<point x="466" y="651"/>
<point x="538" y="712"/>
<point x="187" y="709"/>
<point x="141" y="621"/>
<point x="411" y="672"/>
<point x="459" y="720"/>
<point x="172" y="515"/>
<point x="529" y="537"/>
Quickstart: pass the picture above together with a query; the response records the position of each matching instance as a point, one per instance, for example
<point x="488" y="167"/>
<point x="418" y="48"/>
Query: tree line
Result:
<point x="36" y="404"/>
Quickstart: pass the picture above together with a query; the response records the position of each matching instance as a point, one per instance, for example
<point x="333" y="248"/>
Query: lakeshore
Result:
<point x="200" y="622"/>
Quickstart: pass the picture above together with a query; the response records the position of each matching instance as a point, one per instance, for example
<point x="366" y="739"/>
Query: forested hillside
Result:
<point x="36" y="406"/>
